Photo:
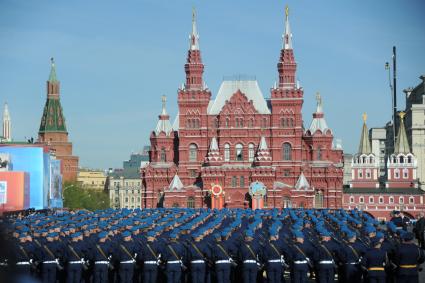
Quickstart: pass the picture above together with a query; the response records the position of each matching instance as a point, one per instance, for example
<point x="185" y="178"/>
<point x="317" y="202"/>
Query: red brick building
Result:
<point x="53" y="132"/>
<point x="240" y="149"/>
<point x="400" y="189"/>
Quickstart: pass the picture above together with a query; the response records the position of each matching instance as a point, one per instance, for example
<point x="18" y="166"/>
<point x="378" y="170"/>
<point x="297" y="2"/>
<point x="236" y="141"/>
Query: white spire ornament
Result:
<point x="194" y="36"/>
<point x="287" y="36"/>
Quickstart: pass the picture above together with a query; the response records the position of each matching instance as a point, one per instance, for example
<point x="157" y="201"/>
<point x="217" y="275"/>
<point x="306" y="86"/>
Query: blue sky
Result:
<point x="115" y="60"/>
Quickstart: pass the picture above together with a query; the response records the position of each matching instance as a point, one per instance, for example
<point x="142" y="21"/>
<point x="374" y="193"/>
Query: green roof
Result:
<point x="53" y="119"/>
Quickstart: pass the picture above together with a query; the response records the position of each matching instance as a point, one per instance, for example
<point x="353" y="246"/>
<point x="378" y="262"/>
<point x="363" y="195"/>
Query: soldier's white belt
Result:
<point x="127" y="261"/>
<point x="198" y="261"/>
<point x="150" y="262"/>
<point x="75" y="261"/>
<point x="223" y="261"/>
<point x="300" y="262"/>
<point x="249" y="261"/>
<point x="353" y="263"/>
<point x="23" y="263"/>
<point x="101" y="262"/>
<point x="326" y="262"/>
<point x="274" y="260"/>
<point x="173" y="261"/>
<point x="50" y="261"/>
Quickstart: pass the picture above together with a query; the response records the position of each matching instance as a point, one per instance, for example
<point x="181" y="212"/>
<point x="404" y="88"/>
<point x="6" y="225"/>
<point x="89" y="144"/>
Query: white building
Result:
<point x="125" y="190"/>
<point x="7" y="125"/>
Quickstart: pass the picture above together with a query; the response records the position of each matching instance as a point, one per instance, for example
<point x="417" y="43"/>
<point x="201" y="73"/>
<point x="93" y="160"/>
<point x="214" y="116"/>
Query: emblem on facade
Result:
<point x="257" y="189"/>
<point x="216" y="189"/>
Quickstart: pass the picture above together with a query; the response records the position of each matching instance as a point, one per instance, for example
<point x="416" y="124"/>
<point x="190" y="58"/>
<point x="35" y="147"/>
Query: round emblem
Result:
<point x="216" y="190"/>
<point x="257" y="189"/>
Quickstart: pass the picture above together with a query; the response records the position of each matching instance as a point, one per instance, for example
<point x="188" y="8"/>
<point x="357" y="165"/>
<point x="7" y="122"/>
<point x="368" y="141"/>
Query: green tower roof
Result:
<point x="53" y="119"/>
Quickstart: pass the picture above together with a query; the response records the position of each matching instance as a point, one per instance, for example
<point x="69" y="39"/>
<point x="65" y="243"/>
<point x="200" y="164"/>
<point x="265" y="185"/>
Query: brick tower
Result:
<point x="53" y="131"/>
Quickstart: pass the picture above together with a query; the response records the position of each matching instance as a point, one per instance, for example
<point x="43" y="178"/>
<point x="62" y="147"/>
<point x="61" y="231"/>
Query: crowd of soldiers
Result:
<point x="202" y="245"/>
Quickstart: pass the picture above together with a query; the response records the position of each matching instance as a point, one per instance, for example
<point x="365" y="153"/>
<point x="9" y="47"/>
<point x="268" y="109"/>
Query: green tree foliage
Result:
<point x="75" y="197"/>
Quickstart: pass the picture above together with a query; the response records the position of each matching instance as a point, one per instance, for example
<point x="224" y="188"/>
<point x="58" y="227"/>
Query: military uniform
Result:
<point x="174" y="255"/>
<point x="375" y="260"/>
<point x="249" y="254"/>
<point x="407" y="258"/>
<point x="150" y="253"/>
<point x="76" y="255"/>
<point x="102" y="255"/>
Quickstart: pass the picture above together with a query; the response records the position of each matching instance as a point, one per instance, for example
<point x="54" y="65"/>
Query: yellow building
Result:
<point x="92" y="179"/>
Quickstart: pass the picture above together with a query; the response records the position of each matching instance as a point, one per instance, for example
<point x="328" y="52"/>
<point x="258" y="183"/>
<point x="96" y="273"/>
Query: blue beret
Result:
<point x="217" y="236"/>
<point x="126" y="234"/>
<point x="298" y="234"/>
<point x="102" y="235"/>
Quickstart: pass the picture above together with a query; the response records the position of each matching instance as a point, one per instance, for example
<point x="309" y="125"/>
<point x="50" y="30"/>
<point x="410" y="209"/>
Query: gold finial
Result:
<point x="402" y="114"/>
<point x="286" y="10"/>
<point x="364" y="117"/>
<point x="163" y="99"/>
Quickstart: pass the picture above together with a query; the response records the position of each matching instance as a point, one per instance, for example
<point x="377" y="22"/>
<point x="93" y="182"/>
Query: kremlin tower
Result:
<point x="53" y="130"/>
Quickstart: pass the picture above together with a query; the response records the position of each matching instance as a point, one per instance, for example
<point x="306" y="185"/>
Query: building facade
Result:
<point x="92" y="179"/>
<point x="240" y="149"/>
<point x="125" y="190"/>
<point x="415" y="125"/>
<point x="398" y="190"/>
<point x="53" y="132"/>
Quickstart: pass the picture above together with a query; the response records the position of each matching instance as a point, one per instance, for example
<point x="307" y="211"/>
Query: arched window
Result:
<point x="401" y="200"/>
<point x="318" y="199"/>
<point x="361" y="200"/>
<point x="227" y="123"/>
<point x="176" y="204"/>
<point x="411" y="200"/>
<point x="360" y="172"/>
<point x="381" y="200"/>
<point x="319" y="153"/>
<point x="351" y="199"/>
<point x="401" y="159"/>
<point x="239" y="152"/>
<point x="287" y="151"/>
<point x="396" y="173"/>
<point x="163" y="156"/>
<point x="391" y="200"/>
<point x="368" y="174"/>
<point x="409" y="159"/>
<point x="193" y="152"/>
<point x="283" y="122"/>
<point x="251" y="152"/>
<point x="242" y="182"/>
<point x="371" y="199"/>
<point x="264" y="123"/>
<point x="234" y="181"/>
<point x="226" y="152"/>
<point x="405" y="173"/>
<point x="190" y="202"/>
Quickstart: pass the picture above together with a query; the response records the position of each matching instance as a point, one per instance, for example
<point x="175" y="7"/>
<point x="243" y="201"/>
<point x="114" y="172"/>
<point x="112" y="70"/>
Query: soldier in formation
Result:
<point x="203" y="245"/>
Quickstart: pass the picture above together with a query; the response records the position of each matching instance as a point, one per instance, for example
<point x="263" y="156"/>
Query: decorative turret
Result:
<point x="364" y="147"/>
<point x="263" y="154"/>
<point x="194" y="67"/>
<point x="287" y="65"/>
<point x="213" y="157"/>
<point x="163" y="124"/>
<point x="402" y="164"/>
<point x="319" y="122"/>
<point x="53" y="130"/>
<point x="401" y="143"/>
<point x="53" y="119"/>
<point x="7" y="124"/>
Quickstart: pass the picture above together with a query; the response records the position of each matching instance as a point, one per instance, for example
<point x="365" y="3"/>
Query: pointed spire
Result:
<point x="214" y="145"/>
<point x="52" y="76"/>
<point x="287" y="36"/>
<point x="164" y="100"/>
<point x="6" y="124"/>
<point x="364" y="147"/>
<point x="263" y="144"/>
<point x="163" y="124"/>
<point x="319" y="108"/>
<point x="194" y="36"/>
<point x="302" y="182"/>
<point x="401" y="144"/>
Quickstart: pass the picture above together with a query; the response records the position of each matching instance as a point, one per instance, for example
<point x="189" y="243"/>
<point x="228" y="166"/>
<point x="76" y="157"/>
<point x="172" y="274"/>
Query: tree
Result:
<point x="75" y="197"/>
